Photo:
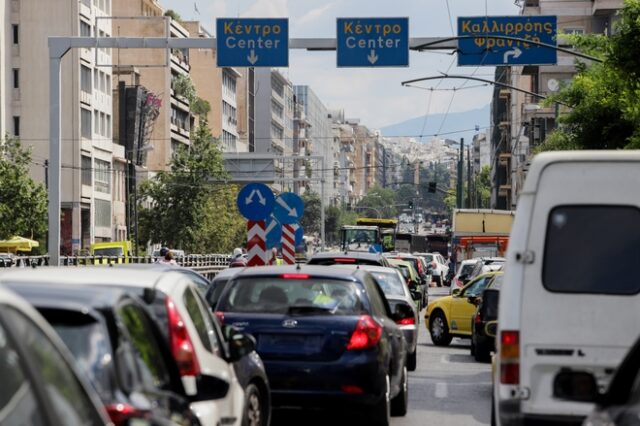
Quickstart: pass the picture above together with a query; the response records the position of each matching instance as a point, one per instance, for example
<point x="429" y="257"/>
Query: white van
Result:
<point x="570" y="299"/>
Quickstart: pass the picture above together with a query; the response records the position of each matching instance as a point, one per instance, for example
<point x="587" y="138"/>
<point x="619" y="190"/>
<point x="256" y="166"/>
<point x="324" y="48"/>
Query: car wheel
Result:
<point x="400" y="402"/>
<point x="380" y="414"/>
<point x="412" y="360"/>
<point x="254" y="411"/>
<point x="439" y="330"/>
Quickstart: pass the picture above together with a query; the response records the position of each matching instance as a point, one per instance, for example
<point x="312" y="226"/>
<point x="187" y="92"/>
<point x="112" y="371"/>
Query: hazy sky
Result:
<point x="373" y="95"/>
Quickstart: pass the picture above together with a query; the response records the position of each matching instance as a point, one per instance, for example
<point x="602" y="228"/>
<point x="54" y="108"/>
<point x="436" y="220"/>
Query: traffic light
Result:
<point x="410" y="205"/>
<point x="432" y="187"/>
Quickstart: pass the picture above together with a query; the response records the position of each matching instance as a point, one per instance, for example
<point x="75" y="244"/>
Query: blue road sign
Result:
<point x="299" y="234"/>
<point x="255" y="201"/>
<point x="288" y="208"/>
<point x="273" y="232"/>
<point x="482" y="50"/>
<point x="252" y="42"/>
<point x="372" y="42"/>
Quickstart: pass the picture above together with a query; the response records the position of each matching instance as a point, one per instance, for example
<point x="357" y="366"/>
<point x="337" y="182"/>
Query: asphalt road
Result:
<point x="447" y="389"/>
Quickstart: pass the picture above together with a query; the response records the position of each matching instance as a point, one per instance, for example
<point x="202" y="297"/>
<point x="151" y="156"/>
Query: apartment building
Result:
<point x="159" y="71"/>
<point x="219" y="87"/>
<point x="88" y="200"/>
<point x="273" y="113"/>
<point x="320" y="138"/>
<point x="526" y="122"/>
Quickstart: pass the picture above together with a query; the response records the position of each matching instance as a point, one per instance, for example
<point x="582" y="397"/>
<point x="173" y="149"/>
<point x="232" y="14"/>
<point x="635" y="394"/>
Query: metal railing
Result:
<point x="206" y="264"/>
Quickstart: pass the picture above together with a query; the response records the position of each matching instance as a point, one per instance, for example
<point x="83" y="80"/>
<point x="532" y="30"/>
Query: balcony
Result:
<point x="504" y="190"/>
<point x="504" y="159"/>
<point x="605" y="7"/>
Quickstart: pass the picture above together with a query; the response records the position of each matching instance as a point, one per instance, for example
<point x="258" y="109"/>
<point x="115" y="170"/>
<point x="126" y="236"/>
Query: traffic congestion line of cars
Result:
<point x="160" y="344"/>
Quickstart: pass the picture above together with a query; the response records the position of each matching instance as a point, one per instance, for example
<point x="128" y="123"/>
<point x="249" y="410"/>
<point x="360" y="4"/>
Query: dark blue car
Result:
<point x="326" y="335"/>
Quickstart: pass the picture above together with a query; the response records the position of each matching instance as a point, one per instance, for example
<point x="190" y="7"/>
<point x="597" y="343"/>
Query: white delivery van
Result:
<point x="570" y="299"/>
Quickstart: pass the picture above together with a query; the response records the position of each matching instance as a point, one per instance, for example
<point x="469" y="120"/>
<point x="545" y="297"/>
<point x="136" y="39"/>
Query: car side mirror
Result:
<point x="491" y="328"/>
<point x="415" y="295"/>
<point x="240" y="344"/>
<point x="402" y="311"/>
<point x="577" y="386"/>
<point x="474" y="300"/>
<point x="455" y="292"/>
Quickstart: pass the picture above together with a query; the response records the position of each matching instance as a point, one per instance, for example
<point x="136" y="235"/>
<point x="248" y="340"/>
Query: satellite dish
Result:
<point x="553" y="84"/>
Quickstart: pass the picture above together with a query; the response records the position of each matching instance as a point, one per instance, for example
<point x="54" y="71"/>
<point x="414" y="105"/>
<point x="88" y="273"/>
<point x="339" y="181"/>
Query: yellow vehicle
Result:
<point x="119" y="249"/>
<point x="450" y="316"/>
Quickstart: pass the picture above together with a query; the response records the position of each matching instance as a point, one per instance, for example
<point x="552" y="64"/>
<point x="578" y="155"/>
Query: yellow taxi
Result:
<point x="450" y="316"/>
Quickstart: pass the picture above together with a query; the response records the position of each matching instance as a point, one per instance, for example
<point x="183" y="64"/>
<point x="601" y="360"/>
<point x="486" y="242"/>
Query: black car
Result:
<point x="116" y="343"/>
<point x="487" y="310"/>
<point x="348" y="258"/>
<point x="218" y="284"/>
<point x="327" y="337"/>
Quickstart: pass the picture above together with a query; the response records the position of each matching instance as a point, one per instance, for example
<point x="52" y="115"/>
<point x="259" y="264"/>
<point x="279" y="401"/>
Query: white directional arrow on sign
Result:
<point x="292" y="212"/>
<point x="372" y="57"/>
<point x="252" y="58"/>
<point x="515" y="53"/>
<point x="257" y="192"/>
<point x="272" y="224"/>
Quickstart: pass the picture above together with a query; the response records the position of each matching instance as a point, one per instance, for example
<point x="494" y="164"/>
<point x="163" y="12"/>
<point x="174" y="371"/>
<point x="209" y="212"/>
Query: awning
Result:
<point x="16" y="244"/>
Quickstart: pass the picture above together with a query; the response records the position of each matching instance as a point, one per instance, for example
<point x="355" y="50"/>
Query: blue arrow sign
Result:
<point x="273" y="232"/>
<point x="493" y="51"/>
<point x="252" y="42"/>
<point x="288" y="208"/>
<point x="372" y="42"/>
<point x="255" y="201"/>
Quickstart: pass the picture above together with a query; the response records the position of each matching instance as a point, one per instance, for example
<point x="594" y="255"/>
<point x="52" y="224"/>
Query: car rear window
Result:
<point x="592" y="249"/>
<point x="278" y="295"/>
<point x="390" y="283"/>
<point x="467" y="269"/>
<point x="88" y="342"/>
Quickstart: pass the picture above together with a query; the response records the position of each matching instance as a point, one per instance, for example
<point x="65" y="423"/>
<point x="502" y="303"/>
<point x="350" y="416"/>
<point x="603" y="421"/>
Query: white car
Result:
<point x="440" y="267"/>
<point x="467" y="270"/>
<point x="194" y="337"/>
<point x="40" y="383"/>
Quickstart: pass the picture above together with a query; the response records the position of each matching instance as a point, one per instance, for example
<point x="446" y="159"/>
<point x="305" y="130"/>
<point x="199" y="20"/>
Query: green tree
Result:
<point x="377" y="200"/>
<point x="185" y="209"/>
<point x="604" y="97"/>
<point x="482" y="188"/>
<point x="335" y="218"/>
<point x="310" y="220"/>
<point x="23" y="202"/>
<point x="173" y="15"/>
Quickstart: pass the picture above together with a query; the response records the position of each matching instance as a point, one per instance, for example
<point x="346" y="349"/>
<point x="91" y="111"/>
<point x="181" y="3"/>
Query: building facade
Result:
<point x="87" y="148"/>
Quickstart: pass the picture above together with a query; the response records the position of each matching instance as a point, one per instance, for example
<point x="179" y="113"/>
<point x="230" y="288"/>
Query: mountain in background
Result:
<point x="456" y="125"/>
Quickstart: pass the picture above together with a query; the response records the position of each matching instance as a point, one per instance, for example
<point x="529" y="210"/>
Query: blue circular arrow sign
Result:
<point x="288" y="208"/>
<point x="273" y="232"/>
<point x="299" y="234"/>
<point x="255" y="201"/>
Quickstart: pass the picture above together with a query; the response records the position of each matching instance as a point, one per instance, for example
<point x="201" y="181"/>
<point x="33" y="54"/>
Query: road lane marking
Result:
<point x="444" y="359"/>
<point x="441" y="390"/>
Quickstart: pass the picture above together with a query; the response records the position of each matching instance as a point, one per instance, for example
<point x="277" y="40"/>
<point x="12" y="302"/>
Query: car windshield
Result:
<point x="86" y="340"/>
<point x="466" y="269"/>
<point x="360" y="239"/>
<point x="214" y="292"/>
<point x="108" y="251"/>
<point x="390" y="283"/>
<point x="280" y="295"/>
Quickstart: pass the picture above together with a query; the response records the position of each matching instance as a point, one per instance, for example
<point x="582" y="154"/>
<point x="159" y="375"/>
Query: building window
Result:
<point x="276" y="108"/>
<point x="16" y="126"/>
<point x="108" y="126"/>
<point x="86" y="170"/>
<point x="85" y="79"/>
<point x="228" y="84"/>
<point x="228" y="113"/>
<point x="16" y="34"/>
<point x="85" y="29"/>
<point x="102" y="176"/>
<point x="16" y="78"/>
<point x="103" y="213"/>
<point x="228" y="141"/>
<point x="276" y="131"/>
<point x="96" y="121"/>
<point x="85" y="123"/>
<point x="573" y="31"/>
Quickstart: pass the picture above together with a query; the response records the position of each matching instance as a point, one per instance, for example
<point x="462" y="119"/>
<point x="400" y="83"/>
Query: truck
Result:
<point x="369" y="235"/>
<point x="480" y="232"/>
<point x="112" y="249"/>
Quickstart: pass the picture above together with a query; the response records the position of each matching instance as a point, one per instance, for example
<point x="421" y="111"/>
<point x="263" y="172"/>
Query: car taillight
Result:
<point x="295" y="276"/>
<point x="181" y="345"/>
<point x="406" y="321"/>
<point x="477" y="319"/>
<point x="510" y="357"/>
<point x="344" y="260"/>
<point x="220" y="316"/>
<point x="367" y="334"/>
<point x="120" y="414"/>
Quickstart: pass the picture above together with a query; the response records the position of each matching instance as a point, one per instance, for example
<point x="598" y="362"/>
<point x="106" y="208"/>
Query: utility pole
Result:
<point x="468" y="179"/>
<point x="460" y="177"/>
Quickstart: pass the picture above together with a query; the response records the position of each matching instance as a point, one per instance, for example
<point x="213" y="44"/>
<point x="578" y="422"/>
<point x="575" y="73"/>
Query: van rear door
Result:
<point x="580" y="302"/>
